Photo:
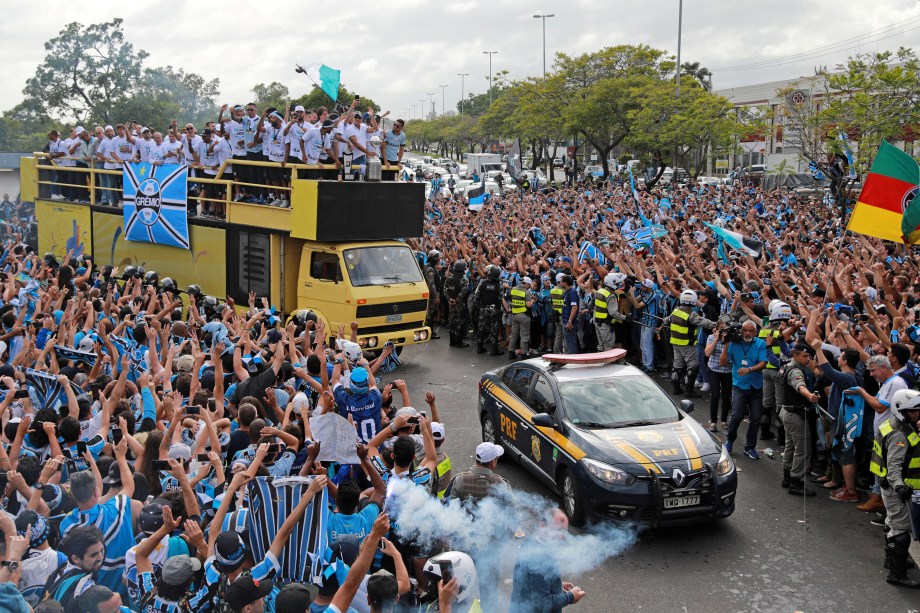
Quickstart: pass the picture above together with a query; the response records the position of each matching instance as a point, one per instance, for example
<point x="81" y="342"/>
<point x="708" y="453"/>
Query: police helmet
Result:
<point x="459" y="267"/>
<point x="435" y="255"/>
<point x="495" y="272"/>
<point x="140" y="272"/>
<point x="194" y="290"/>
<point x="151" y="278"/>
<point x="780" y="312"/>
<point x="50" y="260"/>
<point x="688" y="297"/>
<point x="462" y="567"/>
<point x="168" y="284"/>
<point x="210" y="302"/>
<point x="614" y="280"/>
<point x="130" y="271"/>
<point x="905" y="400"/>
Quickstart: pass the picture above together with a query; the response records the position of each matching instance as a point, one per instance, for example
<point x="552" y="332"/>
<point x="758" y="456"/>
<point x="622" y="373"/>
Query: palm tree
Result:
<point x="700" y="73"/>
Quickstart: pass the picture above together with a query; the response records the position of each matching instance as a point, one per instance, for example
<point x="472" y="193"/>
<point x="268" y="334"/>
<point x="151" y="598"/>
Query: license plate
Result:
<point x="682" y="501"/>
<point x="393" y="318"/>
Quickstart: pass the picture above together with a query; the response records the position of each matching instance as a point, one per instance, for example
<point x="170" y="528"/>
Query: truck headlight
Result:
<point x="725" y="465"/>
<point x="372" y="341"/>
<point x="607" y="473"/>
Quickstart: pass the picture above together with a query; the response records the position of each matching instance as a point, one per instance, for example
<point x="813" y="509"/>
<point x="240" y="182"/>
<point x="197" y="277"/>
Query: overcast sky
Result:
<point x="397" y="51"/>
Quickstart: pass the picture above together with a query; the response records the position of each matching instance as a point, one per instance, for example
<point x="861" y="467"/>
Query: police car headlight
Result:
<point x="725" y="465"/>
<point x="607" y="473"/>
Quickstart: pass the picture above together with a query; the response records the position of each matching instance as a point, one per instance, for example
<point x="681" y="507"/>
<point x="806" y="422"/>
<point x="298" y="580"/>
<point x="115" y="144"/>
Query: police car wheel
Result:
<point x="488" y="432"/>
<point x="571" y="499"/>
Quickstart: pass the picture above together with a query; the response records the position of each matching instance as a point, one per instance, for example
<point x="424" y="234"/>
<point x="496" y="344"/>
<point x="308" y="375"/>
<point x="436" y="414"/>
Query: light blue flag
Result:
<point x="155" y="204"/>
<point x="588" y="250"/>
<point x="851" y="413"/>
<point x="326" y="78"/>
<point x="846" y="149"/>
<point x="632" y="186"/>
<point x="739" y="242"/>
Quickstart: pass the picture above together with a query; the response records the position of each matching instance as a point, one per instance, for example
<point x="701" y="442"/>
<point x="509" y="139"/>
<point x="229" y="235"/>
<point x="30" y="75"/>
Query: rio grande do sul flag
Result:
<point x="889" y="189"/>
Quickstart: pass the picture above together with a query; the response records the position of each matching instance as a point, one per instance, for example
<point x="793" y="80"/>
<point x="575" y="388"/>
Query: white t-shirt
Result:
<point x="273" y="142"/>
<point x="360" y="135"/>
<point x="106" y="147"/>
<point x="37" y="565"/>
<point x="314" y="144"/>
<point x="339" y="130"/>
<point x="123" y="149"/>
<point x="65" y="145"/>
<point x="294" y="137"/>
<point x="889" y="387"/>
<point x="237" y="133"/>
<point x="145" y="147"/>
<point x="172" y="147"/>
<point x="217" y="155"/>
<point x="195" y="144"/>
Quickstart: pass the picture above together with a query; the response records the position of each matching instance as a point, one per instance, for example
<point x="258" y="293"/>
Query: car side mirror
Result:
<point x="686" y="405"/>
<point x="544" y="420"/>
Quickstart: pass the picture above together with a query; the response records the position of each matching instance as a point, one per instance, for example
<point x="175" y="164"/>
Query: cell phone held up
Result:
<point x="117" y="435"/>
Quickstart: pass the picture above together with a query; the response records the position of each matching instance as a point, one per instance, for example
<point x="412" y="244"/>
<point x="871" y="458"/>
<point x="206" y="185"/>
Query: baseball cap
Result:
<point x="114" y="476"/>
<point x="151" y="516"/>
<point x="229" y="550"/>
<point x="185" y="363"/>
<point x="486" y="452"/>
<point x="410" y="411"/>
<point x="299" y="109"/>
<point x="382" y="587"/>
<point x="437" y="431"/>
<point x="79" y="130"/>
<point x="86" y="343"/>
<point x="559" y="277"/>
<point x="178" y="570"/>
<point x="246" y="590"/>
<point x="359" y="376"/>
<point x="180" y="451"/>
<point x="295" y="598"/>
<point x="527" y="280"/>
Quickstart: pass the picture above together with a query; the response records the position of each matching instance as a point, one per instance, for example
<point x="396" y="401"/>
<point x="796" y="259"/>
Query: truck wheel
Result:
<point x="571" y="498"/>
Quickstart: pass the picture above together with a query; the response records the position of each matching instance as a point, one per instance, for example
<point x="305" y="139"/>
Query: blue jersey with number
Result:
<point x="364" y="410"/>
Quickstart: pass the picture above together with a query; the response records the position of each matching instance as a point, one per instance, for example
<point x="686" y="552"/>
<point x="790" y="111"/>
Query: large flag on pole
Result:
<point x="851" y="165"/>
<point x="514" y="166"/>
<point x="635" y="194"/>
<point x="155" y="204"/>
<point x="736" y="241"/>
<point x="327" y="79"/>
<point x="890" y="188"/>
<point x="477" y="195"/>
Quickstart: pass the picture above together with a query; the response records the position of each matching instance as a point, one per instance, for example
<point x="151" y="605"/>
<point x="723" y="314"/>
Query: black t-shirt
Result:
<point x="255" y="385"/>
<point x="239" y="440"/>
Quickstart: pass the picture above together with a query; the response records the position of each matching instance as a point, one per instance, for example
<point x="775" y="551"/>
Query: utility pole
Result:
<point x="490" y="54"/>
<point x="462" y="76"/>
<point x="443" y="108"/>
<point x="431" y="104"/>
<point x="544" y="17"/>
<point x="680" y="20"/>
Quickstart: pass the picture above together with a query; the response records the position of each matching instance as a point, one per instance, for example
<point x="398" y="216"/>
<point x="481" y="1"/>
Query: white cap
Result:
<point x="300" y="402"/>
<point x="559" y="276"/>
<point x="86" y="343"/>
<point x="527" y="280"/>
<point x="79" y="130"/>
<point x="180" y="451"/>
<point x="410" y="411"/>
<point x="299" y="109"/>
<point x="486" y="452"/>
<point x="437" y="431"/>
<point x="648" y="283"/>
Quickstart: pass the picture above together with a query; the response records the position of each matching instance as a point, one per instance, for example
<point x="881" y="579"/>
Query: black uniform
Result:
<point x="488" y="299"/>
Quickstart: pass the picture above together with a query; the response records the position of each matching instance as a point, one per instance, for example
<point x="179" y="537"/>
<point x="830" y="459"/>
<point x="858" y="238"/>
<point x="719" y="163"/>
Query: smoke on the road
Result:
<point x="492" y="525"/>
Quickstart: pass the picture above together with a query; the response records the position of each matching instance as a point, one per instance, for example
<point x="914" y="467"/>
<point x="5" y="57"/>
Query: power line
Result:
<point x="830" y="48"/>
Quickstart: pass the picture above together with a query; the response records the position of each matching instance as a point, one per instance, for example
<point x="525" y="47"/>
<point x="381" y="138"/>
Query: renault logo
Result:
<point x="678" y="477"/>
<point x="396" y="308"/>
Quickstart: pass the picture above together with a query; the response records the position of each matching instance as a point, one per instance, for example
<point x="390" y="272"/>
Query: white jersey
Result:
<point x="273" y="142"/>
<point x="294" y="138"/>
<point x="172" y="152"/>
<point x="145" y="147"/>
<point x="216" y="156"/>
<point x="314" y="145"/>
<point x="237" y="132"/>
<point x="360" y="135"/>
<point x="37" y="565"/>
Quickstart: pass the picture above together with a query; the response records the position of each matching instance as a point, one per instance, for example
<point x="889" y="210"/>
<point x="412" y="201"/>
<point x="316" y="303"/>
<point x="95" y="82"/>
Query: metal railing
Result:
<point x="87" y="180"/>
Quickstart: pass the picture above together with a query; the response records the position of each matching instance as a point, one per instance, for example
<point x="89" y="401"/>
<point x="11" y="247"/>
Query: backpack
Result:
<point x="64" y="585"/>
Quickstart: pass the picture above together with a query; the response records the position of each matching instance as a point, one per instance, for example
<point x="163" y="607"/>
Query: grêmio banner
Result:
<point x="155" y="204"/>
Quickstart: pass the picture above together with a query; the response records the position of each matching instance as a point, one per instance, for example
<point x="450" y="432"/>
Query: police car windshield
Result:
<point x="616" y="402"/>
<point x="381" y="266"/>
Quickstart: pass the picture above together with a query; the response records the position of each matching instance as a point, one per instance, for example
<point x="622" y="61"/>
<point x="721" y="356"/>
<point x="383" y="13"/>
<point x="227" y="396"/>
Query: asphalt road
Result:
<point x="775" y="553"/>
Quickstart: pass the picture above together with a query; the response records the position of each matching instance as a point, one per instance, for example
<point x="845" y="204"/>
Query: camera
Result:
<point x="732" y="334"/>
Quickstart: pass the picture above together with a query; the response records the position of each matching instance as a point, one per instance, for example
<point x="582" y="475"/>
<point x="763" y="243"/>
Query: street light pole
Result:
<point x="443" y="108"/>
<point x="680" y="20"/>
<point x="544" y="16"/>
<point x="431" y="104"/>
<point x="462" y="76"/>
<point x="490" y="54"/>
<point x="414" y="106"/>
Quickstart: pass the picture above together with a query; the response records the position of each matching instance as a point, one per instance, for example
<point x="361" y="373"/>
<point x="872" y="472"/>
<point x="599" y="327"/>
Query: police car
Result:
<point x="610" y="441"/>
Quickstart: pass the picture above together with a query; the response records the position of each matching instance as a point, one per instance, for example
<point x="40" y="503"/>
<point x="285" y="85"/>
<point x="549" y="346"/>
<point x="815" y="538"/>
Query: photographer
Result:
<point x="748" y="357"/>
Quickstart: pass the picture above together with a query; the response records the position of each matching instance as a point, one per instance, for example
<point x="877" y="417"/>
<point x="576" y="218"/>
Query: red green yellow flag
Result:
<point x="887" y="195"/>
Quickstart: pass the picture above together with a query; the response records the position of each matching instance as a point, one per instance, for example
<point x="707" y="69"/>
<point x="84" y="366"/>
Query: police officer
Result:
<point x="896" y="461"/>
<point x="456" y="290"/>
<point x="488" y="299"/>
<point x="477" y="482"/>
<point x="434" y="296"/>
<point x="607" y="310"/>
<point x="684" y="321"/>
<point x="793" y="399"/>
<point x="779" y="313"/>
<point x="521" y="299"/>
<point x="557" y="296"/>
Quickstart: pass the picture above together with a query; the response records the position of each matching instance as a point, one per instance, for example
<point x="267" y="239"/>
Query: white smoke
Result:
<point x="492" y="524"/>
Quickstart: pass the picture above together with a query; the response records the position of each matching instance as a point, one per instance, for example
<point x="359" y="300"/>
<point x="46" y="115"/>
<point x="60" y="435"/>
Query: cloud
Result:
<point x="398" y="53"/>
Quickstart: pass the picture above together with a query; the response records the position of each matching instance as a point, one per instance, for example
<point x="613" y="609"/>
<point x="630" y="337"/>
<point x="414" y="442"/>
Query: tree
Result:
<point x="316" y="98"/>
<point x="272" y="95"/>
<point x="701" y="75"/>
<point x="86" y="71"/>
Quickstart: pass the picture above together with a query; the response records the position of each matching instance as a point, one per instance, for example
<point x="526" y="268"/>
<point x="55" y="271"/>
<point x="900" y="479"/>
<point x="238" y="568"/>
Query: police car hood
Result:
<point x="659" y="448"/>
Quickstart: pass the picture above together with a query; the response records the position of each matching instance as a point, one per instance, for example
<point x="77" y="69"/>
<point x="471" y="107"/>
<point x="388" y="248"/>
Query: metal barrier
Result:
<point x="48" y="171"/>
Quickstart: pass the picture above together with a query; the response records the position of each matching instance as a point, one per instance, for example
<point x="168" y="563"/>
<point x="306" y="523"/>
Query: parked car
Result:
<point x="557" y="163"/>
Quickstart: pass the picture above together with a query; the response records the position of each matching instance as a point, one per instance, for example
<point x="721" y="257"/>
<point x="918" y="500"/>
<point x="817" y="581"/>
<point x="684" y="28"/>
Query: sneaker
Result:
<point x="713" y="426"/>
<point x="705" y="387"/>
<point x="844" y="495"/>
<point x="751" y="452"/>
<point x="878" y="520"/>
<point x="699" y="384"/>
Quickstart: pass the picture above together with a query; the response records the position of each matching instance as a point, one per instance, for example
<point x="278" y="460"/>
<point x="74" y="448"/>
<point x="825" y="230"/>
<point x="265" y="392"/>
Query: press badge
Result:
<point x="744" y="362"/>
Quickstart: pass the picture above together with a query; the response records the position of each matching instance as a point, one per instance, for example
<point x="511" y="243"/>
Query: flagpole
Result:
<point x="304" y="72"/>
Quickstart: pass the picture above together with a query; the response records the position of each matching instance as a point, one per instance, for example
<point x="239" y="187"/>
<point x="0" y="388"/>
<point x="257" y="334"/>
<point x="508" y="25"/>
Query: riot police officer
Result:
<point x="456" y="291"/>
<point x="607" y="311"/>
<point x="557" y="295"/>
<point x="521" y="299"/>
<point x="488" y="298"/>
<point x="434" y="296"/>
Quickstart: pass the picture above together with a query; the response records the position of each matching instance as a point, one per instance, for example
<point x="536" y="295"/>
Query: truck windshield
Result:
<point x="381" y="266"/>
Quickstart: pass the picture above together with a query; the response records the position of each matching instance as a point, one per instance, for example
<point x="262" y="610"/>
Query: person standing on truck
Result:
<point x="237" y="131"/>
<point x="395" y="144"/>
<point x="434" y="296"/>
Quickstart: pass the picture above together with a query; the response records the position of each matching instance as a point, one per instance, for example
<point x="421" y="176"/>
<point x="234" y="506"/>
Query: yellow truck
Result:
<point x="333" y="252"/>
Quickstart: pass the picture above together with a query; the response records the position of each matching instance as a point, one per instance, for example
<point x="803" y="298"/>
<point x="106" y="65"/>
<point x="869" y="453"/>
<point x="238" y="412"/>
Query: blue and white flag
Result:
<point x="75" y="355"/>
<point x="46" y="391"/>
<point x="643" y="237"/>
<point x="137" y="355"/>
<point x="635" y="194"/>
<point x="851" y="412"/>
<point x="477" y="195"/>
<point x="851" y="165"/>
<point x="271" y="501"/>
<point x="738" y="242"/>
<point x="588" y="250"/>
<point x="155" y="204"/>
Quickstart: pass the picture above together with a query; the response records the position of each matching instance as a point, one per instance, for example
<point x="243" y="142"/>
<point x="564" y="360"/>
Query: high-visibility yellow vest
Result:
<point x="444" y="469"/>
<point x="682" y="333"/>
<point x="518" y="300"/>
<point x="879" y="462"/>
<point x="601" y="297"/>
<point x="558" y="297"/>
<point x="764" y="333"/>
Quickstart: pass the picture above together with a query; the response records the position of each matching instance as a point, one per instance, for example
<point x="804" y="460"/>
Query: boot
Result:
<point x="512" y="356"/>
<point x="786" y="480"/>
<point x="897" y="563"/>
<point x="874" y="503"/>
<point x="797" y="488"/>
<point x="889" y="549"/>
<point x="460" y="344"/>
<point x="691" y="384"/>
<point x="495" y="350"/>
<point x="676" y="378"/>
<point x="480" y="347"/>
<point x="453" y="339"/>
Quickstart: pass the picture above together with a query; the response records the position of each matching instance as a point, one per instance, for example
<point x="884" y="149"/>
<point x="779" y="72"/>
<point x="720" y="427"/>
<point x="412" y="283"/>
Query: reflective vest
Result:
<point x="764" y="333"/>
<point x="682" y="333"/>
<point x="444" y="475"/>
<point x="518" y="300"/>
<point x="558" y="297"/>
<point x="600" y="305"/>
<point x="879" y="462"/>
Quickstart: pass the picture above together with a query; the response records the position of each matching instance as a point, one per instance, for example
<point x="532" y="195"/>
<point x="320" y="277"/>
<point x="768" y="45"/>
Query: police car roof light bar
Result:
<point x="604" y="357"/>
